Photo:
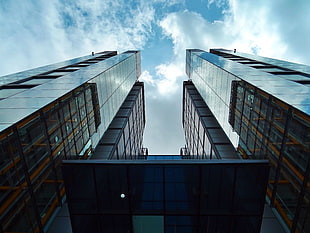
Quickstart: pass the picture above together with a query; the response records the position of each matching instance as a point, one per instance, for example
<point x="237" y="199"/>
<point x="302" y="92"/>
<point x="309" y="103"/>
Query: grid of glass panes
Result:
<point x="113" y="85"/>
<point x="123" y="138"/>
<point x="265" y="125"/>
<point x="269" y="128"/>
<point x="214" y="85"/>
<point x="219" y="197"/>
<point x="31" y="155"/>
<point x="203" y="135"/>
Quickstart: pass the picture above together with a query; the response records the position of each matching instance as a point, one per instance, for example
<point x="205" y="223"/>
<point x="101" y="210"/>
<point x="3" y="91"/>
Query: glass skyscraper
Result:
<point x="58" y="112"/>
<point x="200" y="190"/>
<point x="72" y="132"/>
<point x="204" y="136"/>
<point x="263" y="106"/>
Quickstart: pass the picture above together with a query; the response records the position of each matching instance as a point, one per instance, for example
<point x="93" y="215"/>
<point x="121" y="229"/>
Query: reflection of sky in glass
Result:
<point x="28" y="73"/>
<point x="281" y="63"/>
<point x="214" y="85"/>
<point x="113" y="86"/>
<point x="293" y="93"/>
<point x="109" y="75"/>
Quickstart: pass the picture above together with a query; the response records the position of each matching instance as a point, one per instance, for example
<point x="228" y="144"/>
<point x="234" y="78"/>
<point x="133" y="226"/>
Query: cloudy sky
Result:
<point x="35" y="33"/>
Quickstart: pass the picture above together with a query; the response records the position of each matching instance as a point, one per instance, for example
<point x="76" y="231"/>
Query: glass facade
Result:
<point x="269" y="110"/>
<point x="122" y="189"/>
<point x="49" y="114"/>
<point x="113" y="87"/>
<point x="123" y="138"/>
<point x="169" y="196"/>
<point x="31" y="154"/>
<point x="213" y="84"/>
<point x="205" y="138"/>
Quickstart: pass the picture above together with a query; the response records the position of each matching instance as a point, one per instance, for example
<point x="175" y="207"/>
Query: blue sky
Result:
<point x="35" y="33"/>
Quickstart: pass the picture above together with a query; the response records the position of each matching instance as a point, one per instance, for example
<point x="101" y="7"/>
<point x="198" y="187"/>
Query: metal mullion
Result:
<point x="234" y="192"/>
<point x="81" y="120"/>
<point x="129" y="194"/>
<point x="93" y="167"/>
<point x="30" y="187"/>
<point x="278" y="168"/>
<point x="164" y="195"/>
<point x="242" y="108"/>
<point x="301" y="197"/>
<point x="50" y="152"/>
<point x="73" y="129"/>
<point x="199" y="197"/>
<point x="86" y="110"/>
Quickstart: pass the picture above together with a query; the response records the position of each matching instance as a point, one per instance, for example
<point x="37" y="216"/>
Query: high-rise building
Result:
<point x="116" y="191"/>
<point x="204" y="136"/>
<point x="263" y="105"/>
<point x="57" y="112"/>
<point x="72" y="132"/>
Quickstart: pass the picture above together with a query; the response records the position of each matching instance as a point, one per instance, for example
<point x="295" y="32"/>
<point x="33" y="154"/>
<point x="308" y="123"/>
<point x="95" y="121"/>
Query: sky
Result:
<point x="36" y="33"/>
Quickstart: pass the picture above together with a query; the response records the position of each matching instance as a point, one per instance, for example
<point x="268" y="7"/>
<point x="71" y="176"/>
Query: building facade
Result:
<point x="166" y="196"/>
<point x="73" y="131"/>
<point x="263" y="106"/>
<point x="119" y="191"/>
<point x="204" y="136"/>
<point x="124" y="137"/>
<point x="58" y="112"/>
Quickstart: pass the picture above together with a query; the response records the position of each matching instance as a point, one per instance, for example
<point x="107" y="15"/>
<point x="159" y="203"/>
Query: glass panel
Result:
<point x="149" y="224"/>
<point x="85" y="223"/>
<point x="82" y="200"/>
<point x="112" y="189"/>
<point x="23" y="219"/>
<point x="221" y="192"/>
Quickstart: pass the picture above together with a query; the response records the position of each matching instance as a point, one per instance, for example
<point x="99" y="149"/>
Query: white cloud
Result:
<point x="37" y="33"/>
<point x="167" y="80"/>
<point x="190" y="30"/>
<point x="268" y="28"/>
<point x="252" y="28"/>
<point x="147" y="78"/>
<point x="271" y="28"/>
<point x="163" y="133"/>
<point x="169" y="74"/>
<point x="218" y="3"/>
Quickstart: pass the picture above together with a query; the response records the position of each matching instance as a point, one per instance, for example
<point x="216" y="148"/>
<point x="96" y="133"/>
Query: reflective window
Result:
<point x="183" y="193"/>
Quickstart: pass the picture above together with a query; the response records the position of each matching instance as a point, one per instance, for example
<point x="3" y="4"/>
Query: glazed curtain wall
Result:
<point x="31" y="154"/>
<point x="214" y="85"/>
<point x="191" y="197"/>
<point x="113" y="86"/>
